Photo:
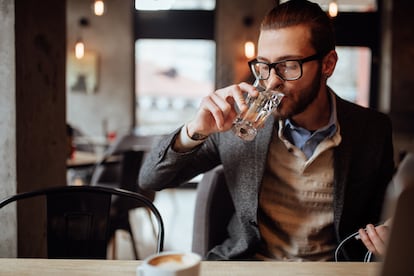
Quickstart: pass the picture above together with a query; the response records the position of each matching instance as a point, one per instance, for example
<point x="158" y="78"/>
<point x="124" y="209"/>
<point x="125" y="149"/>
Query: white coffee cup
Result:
<point x="170" y="264"/>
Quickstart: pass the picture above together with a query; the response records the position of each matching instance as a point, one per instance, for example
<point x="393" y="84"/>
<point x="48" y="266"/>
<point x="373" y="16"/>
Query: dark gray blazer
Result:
<point x="363" y="165"/>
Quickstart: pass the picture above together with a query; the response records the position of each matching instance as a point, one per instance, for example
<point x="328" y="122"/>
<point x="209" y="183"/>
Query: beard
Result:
<point x="305" y="98"/>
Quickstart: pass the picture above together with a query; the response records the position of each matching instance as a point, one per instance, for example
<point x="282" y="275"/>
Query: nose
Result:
<point x="274" y="80"/>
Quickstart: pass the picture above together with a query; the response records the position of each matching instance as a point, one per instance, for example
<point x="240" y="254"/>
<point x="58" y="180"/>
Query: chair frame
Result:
<point x="213" y="211"/>
<point x="95" y="190"/>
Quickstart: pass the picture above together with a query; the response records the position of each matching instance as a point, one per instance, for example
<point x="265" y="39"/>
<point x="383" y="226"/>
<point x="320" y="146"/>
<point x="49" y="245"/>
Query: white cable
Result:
<point x="368" y="257"/>
<point x="342" y="243"/>
<point x="355" y="235"/>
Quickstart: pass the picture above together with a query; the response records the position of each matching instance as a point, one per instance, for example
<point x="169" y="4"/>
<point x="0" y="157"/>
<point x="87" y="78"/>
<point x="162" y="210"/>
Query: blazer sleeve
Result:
<point x="165" y="168"/>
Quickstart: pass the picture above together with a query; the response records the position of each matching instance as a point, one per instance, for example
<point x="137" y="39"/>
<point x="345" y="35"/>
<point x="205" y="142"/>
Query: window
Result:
<point x="352" y="74"/>
<point x="172" y="76"/>
<point x="175" y="57"/>
<point x="348" y="5"/>
<point x="175" y="4"/>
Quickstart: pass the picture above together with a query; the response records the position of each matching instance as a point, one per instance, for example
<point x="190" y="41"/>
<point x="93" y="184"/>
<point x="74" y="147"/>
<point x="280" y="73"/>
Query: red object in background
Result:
<point x="111" y="136"/>
<point x="72" y="152"/>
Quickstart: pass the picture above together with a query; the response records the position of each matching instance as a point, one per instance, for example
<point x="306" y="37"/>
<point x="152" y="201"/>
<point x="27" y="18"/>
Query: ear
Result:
<point x="329" y="63"/>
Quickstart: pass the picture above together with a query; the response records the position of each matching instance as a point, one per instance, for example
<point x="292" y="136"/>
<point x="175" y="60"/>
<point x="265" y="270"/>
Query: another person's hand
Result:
<point x="374" y="238"/>
<point x="217" y="110"/>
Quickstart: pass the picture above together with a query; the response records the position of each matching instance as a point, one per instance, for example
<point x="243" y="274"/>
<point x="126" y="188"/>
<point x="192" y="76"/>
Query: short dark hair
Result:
<point x="298" y="12"/>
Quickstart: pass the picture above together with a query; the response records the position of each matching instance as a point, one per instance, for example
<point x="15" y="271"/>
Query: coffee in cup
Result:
<point x="170" y="264"/>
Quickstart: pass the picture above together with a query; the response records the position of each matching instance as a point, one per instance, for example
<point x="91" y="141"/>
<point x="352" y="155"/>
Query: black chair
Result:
<point x="121" y="162"/>
<point x="213" y="211"/>
<point x="79" y="218"/>
<point x="119" y="168"/>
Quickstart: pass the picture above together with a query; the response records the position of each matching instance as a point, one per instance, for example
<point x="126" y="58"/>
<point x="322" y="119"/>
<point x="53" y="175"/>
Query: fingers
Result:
<point x="239" y="97"/>
<point x="220" y="104"/>
<point x="219" y="108"/>
<point x="366" y="240"/>
<point x="377" y="240"/>
<point x="374" y="238"/>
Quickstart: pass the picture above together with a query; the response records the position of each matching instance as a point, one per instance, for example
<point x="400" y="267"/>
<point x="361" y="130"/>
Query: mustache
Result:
<point x="280" y="89"/>
<point x="285" y="93"/>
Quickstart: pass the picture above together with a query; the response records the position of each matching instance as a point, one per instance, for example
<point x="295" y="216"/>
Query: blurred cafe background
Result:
<point x="142" y="68"/>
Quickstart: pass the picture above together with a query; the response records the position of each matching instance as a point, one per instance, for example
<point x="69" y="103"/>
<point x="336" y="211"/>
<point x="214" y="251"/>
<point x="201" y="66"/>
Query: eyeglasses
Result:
<point x="290" y="69"/>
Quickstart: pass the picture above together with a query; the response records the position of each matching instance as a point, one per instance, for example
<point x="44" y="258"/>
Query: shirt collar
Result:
<point x="330" y="127"/>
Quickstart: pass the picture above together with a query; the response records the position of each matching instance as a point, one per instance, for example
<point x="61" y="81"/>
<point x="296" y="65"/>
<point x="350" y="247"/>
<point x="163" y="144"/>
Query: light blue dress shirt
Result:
<point x="307" y="140"/>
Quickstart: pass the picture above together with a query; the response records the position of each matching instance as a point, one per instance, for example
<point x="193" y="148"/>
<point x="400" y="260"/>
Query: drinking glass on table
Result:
<point x="259" y="108"/>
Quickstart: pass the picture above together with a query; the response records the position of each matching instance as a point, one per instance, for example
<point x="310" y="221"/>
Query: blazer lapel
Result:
<point x="261" y="149"/>
<point x="341" y="160"/>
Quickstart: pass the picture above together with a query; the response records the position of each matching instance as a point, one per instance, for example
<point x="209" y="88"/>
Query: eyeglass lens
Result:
<point x="287" y="70"/>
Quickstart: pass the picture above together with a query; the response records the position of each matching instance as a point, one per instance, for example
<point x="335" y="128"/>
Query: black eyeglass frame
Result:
<point x="271" y="66"/>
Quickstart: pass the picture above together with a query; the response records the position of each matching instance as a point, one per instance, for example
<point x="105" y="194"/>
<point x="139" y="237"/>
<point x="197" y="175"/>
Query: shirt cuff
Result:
<point x="185" y="142"/>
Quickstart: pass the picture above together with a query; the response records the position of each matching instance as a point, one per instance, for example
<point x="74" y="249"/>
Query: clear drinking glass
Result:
<point x="259" y="108"/>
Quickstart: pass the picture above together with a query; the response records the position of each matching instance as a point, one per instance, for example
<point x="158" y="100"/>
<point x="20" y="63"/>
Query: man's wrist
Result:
<point x="184" y="142"/>
<point x="198" y="137"/>
<point x="195" y="136"/>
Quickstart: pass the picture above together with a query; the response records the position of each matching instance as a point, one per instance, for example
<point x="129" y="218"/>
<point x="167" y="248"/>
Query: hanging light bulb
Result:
<point x="333" y="9"/>
<point x="249" y="49"/>
<point x="99" y="7"/>
<point x="79" y="49"/>
<point x="80" y="45"/>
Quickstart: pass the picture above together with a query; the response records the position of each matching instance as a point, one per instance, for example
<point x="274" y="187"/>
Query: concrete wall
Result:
<point x="8" y="238"/>
<point x="111" y="37"/>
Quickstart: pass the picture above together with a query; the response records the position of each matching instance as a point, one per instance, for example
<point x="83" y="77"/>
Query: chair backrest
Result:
<point x="213" y="210"/>
<point x="79" y="219"/>
<point x="130" y="149"/>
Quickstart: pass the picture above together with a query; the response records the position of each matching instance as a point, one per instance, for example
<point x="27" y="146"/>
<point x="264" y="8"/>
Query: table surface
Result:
<point x="115" y="267"/>
<point x="81" y="159"/>
<point x="84" y="159"/>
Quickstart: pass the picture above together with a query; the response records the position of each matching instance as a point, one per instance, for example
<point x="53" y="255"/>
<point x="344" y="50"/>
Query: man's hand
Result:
<point x="374" y="238"/>
<point x="217" y="110"/>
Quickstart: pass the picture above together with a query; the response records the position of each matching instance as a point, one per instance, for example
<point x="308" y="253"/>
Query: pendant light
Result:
<point x="80" y="44"/>
<point x="249" y="46"/>
<point x="249" y="49"/>
<point x="333" y="8"/>
<point x="98" y="7"/>
<point x="79" y="49"/>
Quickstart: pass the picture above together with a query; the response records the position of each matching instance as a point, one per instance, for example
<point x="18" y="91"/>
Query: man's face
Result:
<point x="291" y="43"/>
